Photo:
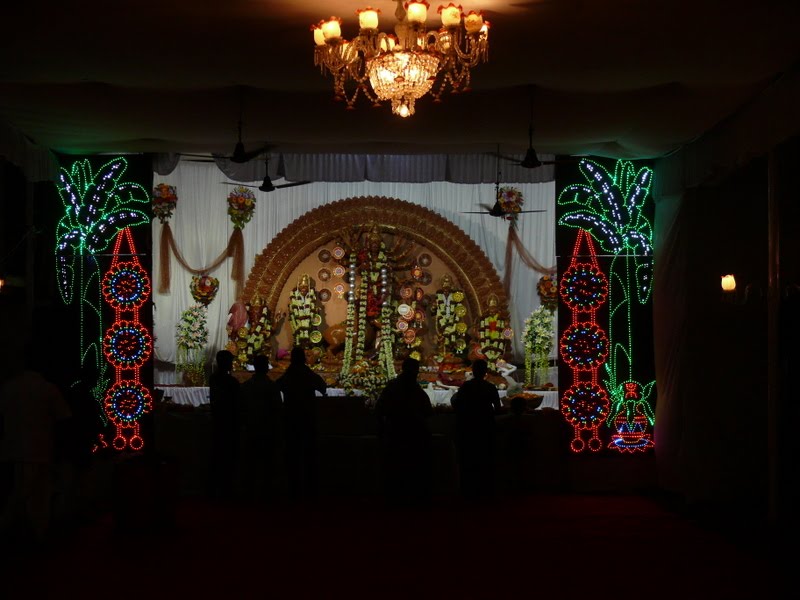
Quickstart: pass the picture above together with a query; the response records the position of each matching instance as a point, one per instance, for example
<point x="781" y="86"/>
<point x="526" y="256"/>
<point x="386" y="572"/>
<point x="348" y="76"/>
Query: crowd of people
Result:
<point x="264" y="439"/>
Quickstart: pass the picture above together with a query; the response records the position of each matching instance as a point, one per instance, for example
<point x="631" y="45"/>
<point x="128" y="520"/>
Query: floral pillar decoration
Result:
<point x="97" y="205"/>
<point x="163" y="203"/>
<point x="127" y="345"/>
<point x="610" y="207"/>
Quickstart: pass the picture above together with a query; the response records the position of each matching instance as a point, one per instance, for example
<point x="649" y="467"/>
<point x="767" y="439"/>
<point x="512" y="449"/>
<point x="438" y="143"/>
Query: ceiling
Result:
<point x="617" y="78"/>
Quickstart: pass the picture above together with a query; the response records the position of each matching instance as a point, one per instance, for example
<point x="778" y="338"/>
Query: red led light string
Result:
<point x="127" y="345"/>
<point x="584" y="344"/>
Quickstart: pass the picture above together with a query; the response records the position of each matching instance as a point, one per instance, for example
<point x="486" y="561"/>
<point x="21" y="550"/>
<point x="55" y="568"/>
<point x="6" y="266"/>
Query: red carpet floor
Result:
<point x="563" y="545"/>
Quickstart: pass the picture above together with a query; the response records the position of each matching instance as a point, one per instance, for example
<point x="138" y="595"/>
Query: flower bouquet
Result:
<point x="241" y="206"/>
<point x="165" y="198"/>
<point x="191" y="337"/>
<point x="537" y="338"/>
<point x="511" y="202"/>
<point x="548" y="292"/>
<point x="204" y="289"/>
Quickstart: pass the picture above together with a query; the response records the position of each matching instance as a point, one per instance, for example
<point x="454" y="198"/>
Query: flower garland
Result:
<point x="260" y="330"/>
<point x="304" y="317"/>
<point x="494" y="337"/>
<point x="347" y="357"/>
<point x="191" y="336"/>
<point x="547" y="289"/>
<point x="386" y="352"/>
<point x="241" y="206"/>
<point x="449" y="312"/>
<point x="537" y="338"/>
<point x="367" y="377"/>
<point x="204" y="288"/>
<point x="165" y="198"/>
<point x="511" y="202"/>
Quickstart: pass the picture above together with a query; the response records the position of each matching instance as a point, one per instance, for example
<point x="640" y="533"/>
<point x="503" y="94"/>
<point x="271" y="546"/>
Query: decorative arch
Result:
<point x="462" y="256"/>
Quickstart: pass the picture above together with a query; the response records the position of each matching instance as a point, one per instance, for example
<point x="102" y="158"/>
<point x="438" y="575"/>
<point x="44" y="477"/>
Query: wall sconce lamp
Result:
<point x="732" y="295"/>
<point x="2" y="283"/>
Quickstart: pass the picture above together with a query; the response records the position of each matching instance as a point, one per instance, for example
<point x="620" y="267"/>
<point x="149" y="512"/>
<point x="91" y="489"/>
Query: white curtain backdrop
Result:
<point x="201" y="229"/>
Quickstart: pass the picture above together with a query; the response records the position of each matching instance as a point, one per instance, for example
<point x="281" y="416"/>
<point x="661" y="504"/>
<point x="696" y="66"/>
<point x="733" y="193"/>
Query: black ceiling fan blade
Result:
<point x="292" y="184"/>
<point x="255" y="187"/>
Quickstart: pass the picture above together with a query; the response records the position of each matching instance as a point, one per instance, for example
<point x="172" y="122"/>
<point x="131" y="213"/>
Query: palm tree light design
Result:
<point x="610" y="208"/>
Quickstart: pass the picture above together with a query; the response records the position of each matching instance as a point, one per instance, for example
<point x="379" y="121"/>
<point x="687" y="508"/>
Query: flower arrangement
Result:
<point x="449" y="312"/>
<point x="547" y="289"/>
<point x="204" y="289"/>
<point x="241" y="206"/>
<point x="165" y="198"/>
<point x="538" y="340"/>
<point x="493" y="338"/>
<point x="511" y="202"/>
<point x="191" y="337"/>
<point x="367" y="377"/>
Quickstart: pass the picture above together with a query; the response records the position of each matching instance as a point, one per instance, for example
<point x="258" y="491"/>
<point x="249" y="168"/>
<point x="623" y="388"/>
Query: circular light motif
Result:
<point x="584" y="346"/>
<point x="127" y="344"/>
<point x="126" y="286"/>
<point x="127" y="401"/>
<point x="584" y="287"/>
<point x="585" y="405"/>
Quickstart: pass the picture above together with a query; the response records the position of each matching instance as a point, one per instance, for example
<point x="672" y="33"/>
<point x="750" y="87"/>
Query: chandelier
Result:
<point x="406" y="65"/>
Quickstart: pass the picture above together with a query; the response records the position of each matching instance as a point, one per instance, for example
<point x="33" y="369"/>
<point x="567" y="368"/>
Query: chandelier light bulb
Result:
<point x="451" y="15"/>
<point x="368" y="18"/>
<point x="332" y="29"/>
<point x="473" y="22"/>
<point x="417" y="12"/>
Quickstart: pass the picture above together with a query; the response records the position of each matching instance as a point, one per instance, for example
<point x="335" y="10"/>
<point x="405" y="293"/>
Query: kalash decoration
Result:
<point x="403" y="67"/>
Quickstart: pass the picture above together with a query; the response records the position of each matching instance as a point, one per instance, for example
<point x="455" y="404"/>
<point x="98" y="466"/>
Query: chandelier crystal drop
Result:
<point x="404" y="66"/>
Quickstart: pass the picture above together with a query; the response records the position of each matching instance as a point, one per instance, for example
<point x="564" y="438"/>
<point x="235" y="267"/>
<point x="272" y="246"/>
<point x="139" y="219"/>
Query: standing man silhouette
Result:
<point x="299" y="385"/>
<point x="402" y="410"/>
<point x="224" y="399"/>
<point x="475" y="404"/>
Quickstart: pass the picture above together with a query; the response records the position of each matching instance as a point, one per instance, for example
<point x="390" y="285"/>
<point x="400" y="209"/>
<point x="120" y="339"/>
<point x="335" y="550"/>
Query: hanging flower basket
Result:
<point x="241" y="206"/>
<point x="165" y="198"/>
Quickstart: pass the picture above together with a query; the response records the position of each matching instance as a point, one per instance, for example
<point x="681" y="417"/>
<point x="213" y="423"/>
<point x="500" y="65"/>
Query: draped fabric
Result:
<point x="201" y="230"/>
<point x="405" y="168"/>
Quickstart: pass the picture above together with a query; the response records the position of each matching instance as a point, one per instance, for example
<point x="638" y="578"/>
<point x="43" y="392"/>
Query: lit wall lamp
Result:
<point x="732" y="295"/>
<point x="2" y="283"/>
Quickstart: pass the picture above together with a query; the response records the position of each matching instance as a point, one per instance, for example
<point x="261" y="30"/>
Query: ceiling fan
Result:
<point x="239" y="154"/>
<point x="497" y="209"/>
<point x="267" y="185"/>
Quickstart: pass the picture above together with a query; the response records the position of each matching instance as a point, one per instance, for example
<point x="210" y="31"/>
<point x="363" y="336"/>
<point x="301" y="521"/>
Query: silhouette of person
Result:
<point x="80" y="435"/>
<point x="31" y="408"/>
<point x="515" y="436"/>
<point x="224" y="400"/>
<point x="402" y="410"/>
<point x="475" y="405"/>
<point x="299" y="385"/>
<point x="260" y="415"/>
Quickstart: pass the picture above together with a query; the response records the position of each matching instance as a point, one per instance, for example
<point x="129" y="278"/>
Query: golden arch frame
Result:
<point x="462" y="256"/>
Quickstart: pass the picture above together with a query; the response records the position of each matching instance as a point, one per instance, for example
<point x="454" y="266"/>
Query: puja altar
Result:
<point x="361" y="284"/>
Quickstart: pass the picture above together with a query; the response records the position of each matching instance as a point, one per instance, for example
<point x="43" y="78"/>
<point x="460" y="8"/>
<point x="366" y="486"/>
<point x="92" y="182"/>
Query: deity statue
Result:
<point x="448" y="313"/>
<point x="371" y="267"/>
<point x="304" y="314"/>
<point x="250" y="328"/>
<point x="493" y="334"/>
